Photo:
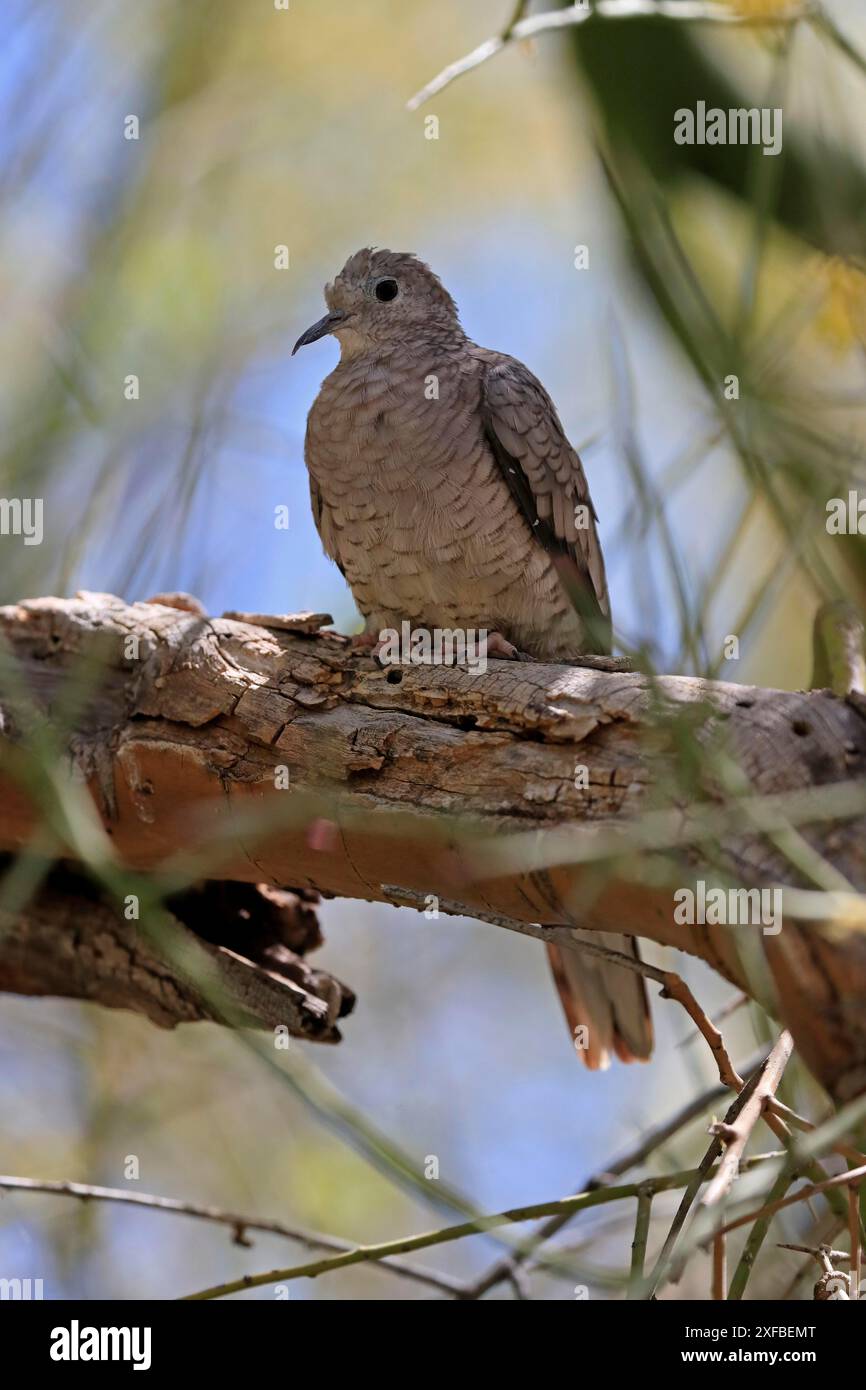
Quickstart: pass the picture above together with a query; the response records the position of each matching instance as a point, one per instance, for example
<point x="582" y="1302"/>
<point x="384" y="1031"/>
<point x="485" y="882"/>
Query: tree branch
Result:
<point x="69" y="940"/>
<point x="736" y="1135"/>
<point x="193" y="727"/>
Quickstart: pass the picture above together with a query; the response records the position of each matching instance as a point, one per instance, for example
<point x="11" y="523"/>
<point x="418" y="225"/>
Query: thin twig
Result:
<point x="757" y="1236"/>
<point x="638" y="1245"/>
<point x="663" y="1261"/>
<point x="773" y="1112"/>
<point x="676" y="988"/>
<point x="804" y="1166"/>
<point x="695" y="11"/>
<point x="833" y="1229"/>
<point x="822" y="1254"/>
<point x="854" y="1233"/>
<point x="517" y="15"/>
<point x="813" y="1190"/>
<point x="799" y="1164"/>
<point x="720" y="1268"/>
<point x="832" y="1284"/>
<point x="632" y="1158"/>
<point x="784" y="1112"/>
<point x="736" y="1136"/>
<point x="239" y="1225"/>
<point x="364" y="1253"/>
<point x="731" y="1007"/>
<point x="672" y="985"/>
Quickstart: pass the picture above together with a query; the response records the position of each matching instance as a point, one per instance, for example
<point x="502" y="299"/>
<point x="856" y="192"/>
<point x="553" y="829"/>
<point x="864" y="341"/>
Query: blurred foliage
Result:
<point x="755" y="262"/>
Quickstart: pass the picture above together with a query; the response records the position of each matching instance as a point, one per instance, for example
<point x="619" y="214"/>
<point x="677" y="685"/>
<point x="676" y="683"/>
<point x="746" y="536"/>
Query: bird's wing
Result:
<point x="327" y="535"/>
<point x="316" y="502"/>
<point x="548" y="484"/>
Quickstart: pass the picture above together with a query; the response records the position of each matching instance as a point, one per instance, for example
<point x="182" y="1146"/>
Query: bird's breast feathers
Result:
<point x="413" y="505"/>
<point x="397" y="421"/>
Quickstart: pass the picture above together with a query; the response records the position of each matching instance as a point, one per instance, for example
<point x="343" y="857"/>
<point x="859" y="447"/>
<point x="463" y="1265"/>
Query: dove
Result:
<point x="443" y="486"/>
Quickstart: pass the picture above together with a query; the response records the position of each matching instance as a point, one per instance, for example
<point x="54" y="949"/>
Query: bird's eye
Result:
<point x="385" y="290"/>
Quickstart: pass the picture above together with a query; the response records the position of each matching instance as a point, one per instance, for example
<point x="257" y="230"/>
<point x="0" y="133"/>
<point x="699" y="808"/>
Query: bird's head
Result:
<point x="381" y="297"/>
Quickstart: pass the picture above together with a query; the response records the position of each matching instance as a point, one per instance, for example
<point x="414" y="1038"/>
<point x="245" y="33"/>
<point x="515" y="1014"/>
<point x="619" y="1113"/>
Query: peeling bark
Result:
<point x="415" y="770"/>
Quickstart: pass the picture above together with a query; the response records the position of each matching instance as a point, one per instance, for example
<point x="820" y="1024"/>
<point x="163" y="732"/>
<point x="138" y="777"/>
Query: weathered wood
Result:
<point x="70" y="940"/>
<point x="423" y="776"/>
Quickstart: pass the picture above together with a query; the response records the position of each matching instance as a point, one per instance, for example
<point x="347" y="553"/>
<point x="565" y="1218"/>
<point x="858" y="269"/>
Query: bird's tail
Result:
<point x="606" y="1005"/>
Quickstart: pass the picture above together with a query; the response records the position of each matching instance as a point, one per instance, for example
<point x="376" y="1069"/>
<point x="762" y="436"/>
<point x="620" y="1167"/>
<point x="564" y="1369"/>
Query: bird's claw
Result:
<point x="368" y="643"/>
<point x="494" y="644"/>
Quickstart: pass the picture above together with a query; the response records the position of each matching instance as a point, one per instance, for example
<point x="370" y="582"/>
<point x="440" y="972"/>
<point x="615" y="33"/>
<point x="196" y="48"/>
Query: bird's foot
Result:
<point x="368" y="643"/>
<point x="494" y="644"/>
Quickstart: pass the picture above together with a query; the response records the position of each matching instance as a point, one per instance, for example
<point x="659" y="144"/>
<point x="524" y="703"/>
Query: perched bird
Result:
<point x="444" y="487"/>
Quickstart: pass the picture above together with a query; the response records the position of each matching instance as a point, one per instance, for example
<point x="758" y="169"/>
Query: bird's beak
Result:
<point x="318" y="330"/>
